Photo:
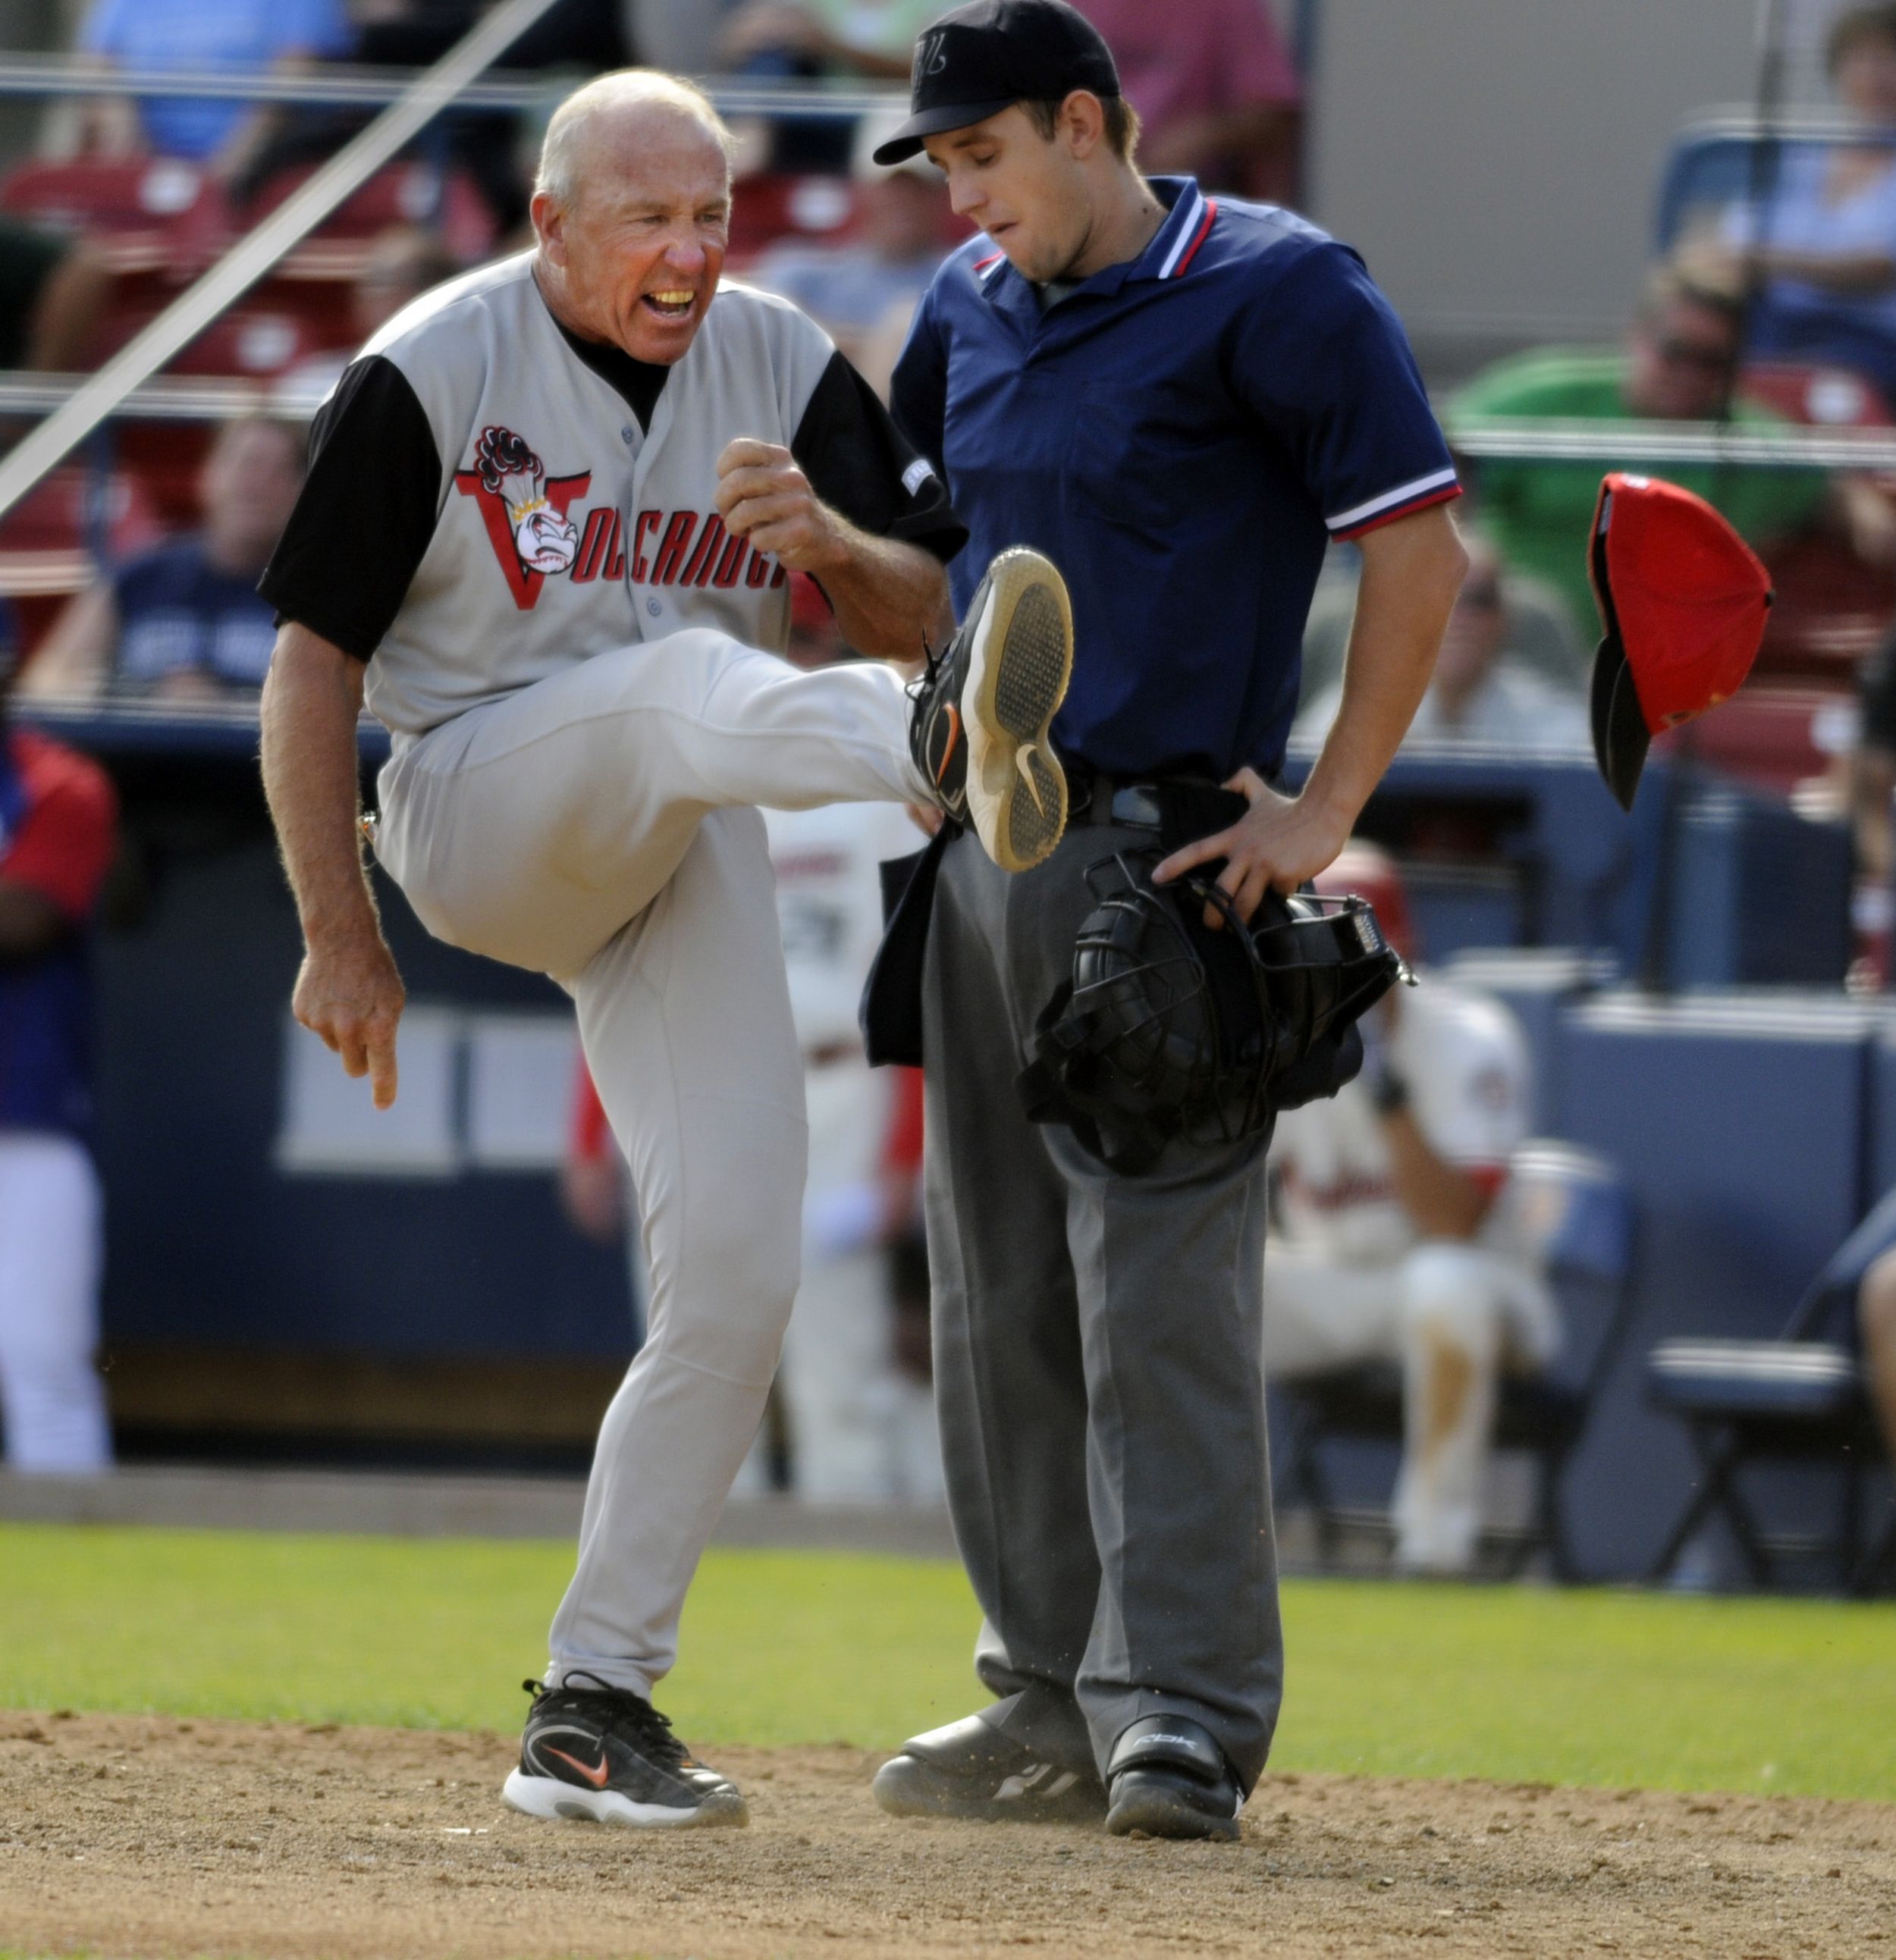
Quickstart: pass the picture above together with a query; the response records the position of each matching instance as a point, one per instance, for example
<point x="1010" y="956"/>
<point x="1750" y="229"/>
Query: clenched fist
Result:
<point x="764" y="495"/>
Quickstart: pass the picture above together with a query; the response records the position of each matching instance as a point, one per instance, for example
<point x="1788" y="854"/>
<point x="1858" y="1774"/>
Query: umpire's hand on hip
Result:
<point x="1279" y="841"/>
<point x="1412" y="569"/>
<point x="764" y="495"/>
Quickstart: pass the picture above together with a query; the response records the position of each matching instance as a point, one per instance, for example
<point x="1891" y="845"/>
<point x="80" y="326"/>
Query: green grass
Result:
<point x="781" y="1647"/>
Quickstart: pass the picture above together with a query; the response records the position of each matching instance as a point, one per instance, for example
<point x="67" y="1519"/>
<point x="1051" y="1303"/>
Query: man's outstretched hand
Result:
<point x="352" y="997"/>
<point x="1279" y="843"/>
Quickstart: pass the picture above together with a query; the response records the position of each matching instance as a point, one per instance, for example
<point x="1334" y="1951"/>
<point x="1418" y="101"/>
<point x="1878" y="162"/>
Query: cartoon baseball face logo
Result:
<point x="524" y="510"/>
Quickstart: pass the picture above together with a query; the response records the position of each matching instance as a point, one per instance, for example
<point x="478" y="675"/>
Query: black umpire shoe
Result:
<point x="979" y="729"/>
<point x="970" y="1769"/>
<point x="1167" y="1778"/>
<point x="605" y="1754"/>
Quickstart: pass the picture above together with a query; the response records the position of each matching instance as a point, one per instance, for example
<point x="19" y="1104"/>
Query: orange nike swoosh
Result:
<point x="954" y="731"/>
<point x="596" y="1778"/>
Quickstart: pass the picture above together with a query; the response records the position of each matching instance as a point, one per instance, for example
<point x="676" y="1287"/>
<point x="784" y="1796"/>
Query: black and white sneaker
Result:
<point x="604" y="1754"/>
<point x="970" y="1769"/>
<point x="979" y="729"/>
<point x="1168" y="1778"/>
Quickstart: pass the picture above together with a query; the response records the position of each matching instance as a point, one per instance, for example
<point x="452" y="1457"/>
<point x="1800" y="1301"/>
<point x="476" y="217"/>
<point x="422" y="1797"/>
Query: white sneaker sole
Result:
<point x="548" y="1797"/>
<point x="1019" y="663"/>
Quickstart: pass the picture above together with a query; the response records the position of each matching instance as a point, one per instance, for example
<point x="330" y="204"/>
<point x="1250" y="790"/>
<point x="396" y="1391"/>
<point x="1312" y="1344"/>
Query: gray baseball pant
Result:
<point x="597" y="826"/>
<point x="1097" y="1358"/>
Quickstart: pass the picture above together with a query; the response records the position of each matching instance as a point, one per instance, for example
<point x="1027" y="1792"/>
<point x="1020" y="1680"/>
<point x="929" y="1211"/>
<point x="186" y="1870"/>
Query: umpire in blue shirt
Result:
<point x="1180" y="400"/>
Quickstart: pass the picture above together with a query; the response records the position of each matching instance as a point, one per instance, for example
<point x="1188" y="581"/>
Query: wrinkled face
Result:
<point x="1865" y="79"/>
<point x="1477" y="627"/>
<point x="1028" y="192"/>
<point x="249" y="487"/>
<point x="1678" y="362"/>
<point x="636" y="251"/>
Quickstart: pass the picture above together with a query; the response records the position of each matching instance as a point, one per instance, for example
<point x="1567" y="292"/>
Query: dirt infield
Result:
<point x="147" y="1837"/>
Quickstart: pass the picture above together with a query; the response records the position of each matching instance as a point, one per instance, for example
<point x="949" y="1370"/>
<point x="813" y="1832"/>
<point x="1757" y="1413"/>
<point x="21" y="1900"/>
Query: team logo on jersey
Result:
<point x="524" y="510"/>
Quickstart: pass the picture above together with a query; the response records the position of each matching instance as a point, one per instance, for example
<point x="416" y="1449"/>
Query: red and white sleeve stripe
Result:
<point x="1403" y="500"/>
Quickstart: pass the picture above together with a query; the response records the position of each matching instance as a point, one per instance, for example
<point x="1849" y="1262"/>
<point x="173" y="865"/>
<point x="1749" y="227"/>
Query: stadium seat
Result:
<point x="1709" y="169"/>
<point x="254" y="341"/>
<point x="1771" y="738"/>
<point x="766" y="208"/>
<point x="1817" y="397"/>
<point x="1579" y="1212"/>
<point x="410" y="192"/>
<point x="1798" y="1400"/>
<point x="146" y="214"/>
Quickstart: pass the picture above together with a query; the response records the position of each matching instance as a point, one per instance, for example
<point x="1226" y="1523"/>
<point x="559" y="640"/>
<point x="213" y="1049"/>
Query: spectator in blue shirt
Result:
<point x="1824" y="245"/>
<point x="252" y="35"/>
<point x="184" y="622"/>
<point x="1180" y="401"/>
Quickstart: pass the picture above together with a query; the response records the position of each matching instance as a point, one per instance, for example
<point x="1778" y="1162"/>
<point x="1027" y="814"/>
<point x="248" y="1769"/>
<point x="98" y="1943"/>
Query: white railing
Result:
<point x="339" y="85"/>
<point x="1790" y="445"/>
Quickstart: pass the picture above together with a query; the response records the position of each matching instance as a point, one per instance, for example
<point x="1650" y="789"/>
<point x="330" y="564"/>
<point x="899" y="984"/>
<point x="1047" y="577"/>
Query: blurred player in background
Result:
<point x="1397" y="1242"/>
<point x="58" y="816"/>
<point x="862" y="1430"/>
<point x="852" y="1388"/>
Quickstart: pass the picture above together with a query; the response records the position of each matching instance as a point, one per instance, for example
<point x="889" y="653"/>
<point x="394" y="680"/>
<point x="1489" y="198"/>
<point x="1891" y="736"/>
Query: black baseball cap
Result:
<point x="982" y="58"/>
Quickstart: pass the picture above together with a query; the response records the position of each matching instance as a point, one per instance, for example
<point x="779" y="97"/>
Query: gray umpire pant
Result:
<point x="1097" y="1356"/>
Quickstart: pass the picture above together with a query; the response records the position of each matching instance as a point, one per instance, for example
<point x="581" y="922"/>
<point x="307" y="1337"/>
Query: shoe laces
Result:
<point x="628" y="1715"/>
<point x="922" y="686"/>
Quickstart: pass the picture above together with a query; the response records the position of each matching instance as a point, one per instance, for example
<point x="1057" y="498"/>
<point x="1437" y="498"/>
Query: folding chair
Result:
<point x="1799" y="1400"/>
<point x="1579" y="1214"/>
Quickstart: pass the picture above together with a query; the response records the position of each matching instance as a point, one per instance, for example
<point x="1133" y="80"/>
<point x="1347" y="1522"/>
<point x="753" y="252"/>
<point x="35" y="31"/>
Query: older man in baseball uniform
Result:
<point x="548" y="516"/>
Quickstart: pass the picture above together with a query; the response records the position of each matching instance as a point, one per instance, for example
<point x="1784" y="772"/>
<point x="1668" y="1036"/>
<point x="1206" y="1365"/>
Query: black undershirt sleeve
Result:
<point x="859" y="462"/>
<point x="367" y="514"/>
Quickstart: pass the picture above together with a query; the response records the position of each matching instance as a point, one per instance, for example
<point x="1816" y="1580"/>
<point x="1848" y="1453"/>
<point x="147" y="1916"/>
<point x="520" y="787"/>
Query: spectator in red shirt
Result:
<point x="1216" y="89"/>
<point x="57" y="822"/>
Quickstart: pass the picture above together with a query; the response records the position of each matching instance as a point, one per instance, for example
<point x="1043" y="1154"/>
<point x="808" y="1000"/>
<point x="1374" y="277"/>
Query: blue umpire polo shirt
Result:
<point x="1182" y="436"/>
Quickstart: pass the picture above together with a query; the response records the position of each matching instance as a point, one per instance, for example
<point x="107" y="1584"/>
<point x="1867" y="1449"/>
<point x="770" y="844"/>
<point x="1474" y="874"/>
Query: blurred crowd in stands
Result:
<point x="1771" y="307"/>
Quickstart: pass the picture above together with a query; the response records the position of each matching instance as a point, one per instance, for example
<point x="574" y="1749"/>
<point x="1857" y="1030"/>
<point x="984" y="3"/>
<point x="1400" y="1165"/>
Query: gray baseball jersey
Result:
<point x="491" y="498"/>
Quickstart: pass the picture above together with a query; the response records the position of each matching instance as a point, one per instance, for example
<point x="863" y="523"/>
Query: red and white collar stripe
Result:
<point x="1193" y="219"/>
<point x="1194" y="222"/>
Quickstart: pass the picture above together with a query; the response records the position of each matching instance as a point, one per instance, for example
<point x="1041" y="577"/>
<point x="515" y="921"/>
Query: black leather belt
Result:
<point x="1103" y="801"/>
<point x="1130" y="806"/>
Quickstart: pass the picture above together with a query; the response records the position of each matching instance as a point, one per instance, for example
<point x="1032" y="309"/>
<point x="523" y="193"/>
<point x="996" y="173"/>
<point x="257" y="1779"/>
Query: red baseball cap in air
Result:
<point x="1684" y="600"/>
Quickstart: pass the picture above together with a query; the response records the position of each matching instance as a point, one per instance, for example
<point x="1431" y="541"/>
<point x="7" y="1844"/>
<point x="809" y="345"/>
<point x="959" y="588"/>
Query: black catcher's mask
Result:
<point x="1168" y="1028"/>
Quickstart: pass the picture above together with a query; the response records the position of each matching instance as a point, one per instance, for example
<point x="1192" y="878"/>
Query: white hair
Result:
<point x="604" y="95"/>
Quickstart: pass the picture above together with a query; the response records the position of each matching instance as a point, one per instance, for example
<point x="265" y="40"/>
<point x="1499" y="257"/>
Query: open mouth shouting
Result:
<point x="673" y="304"/>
